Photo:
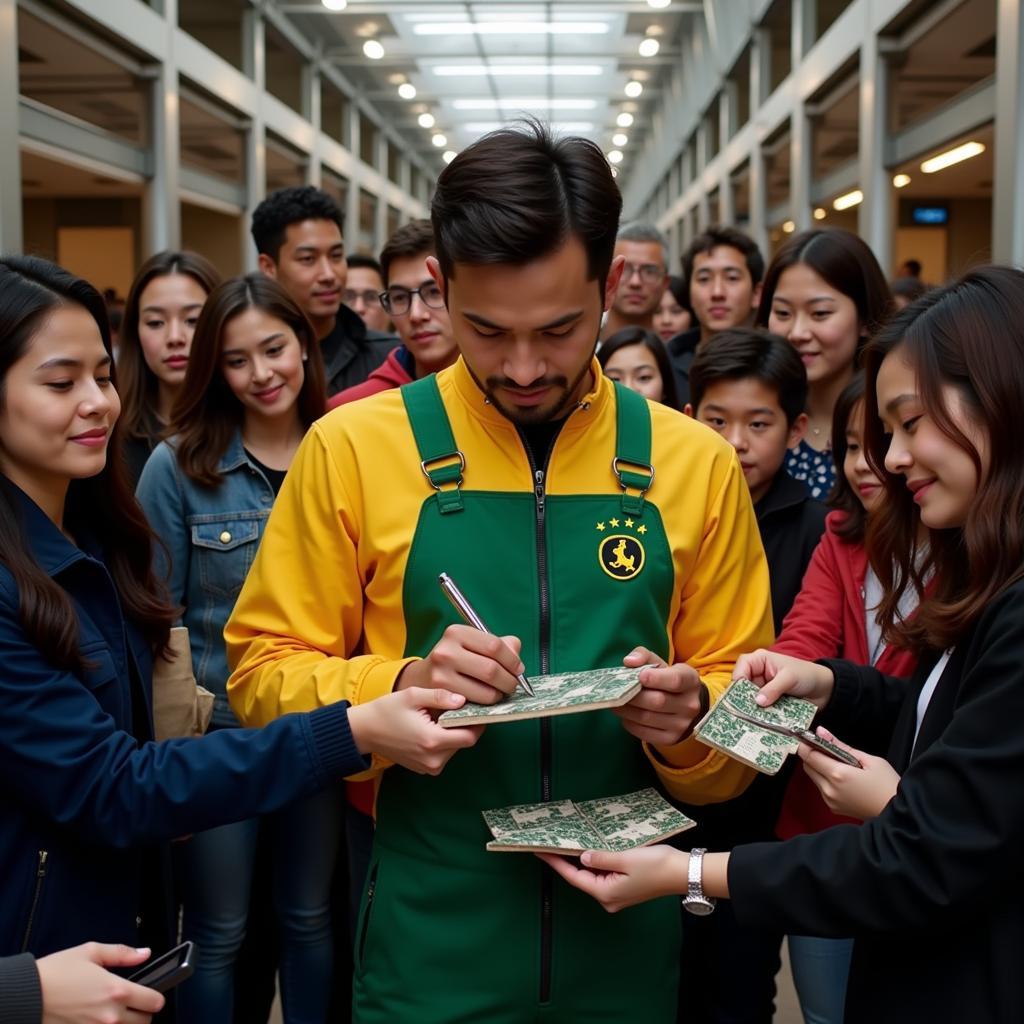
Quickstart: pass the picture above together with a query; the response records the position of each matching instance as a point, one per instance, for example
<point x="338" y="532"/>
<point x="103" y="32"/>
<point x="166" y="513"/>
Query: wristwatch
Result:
<point x="695" y="901"/>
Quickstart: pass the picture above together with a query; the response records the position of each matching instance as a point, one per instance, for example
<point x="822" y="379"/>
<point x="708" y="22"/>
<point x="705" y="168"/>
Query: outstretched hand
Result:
<point x="855" y="792"/>
<point x="778" y="674"/>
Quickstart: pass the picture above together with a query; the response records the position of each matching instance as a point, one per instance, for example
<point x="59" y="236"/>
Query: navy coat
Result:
<point x="82" y="795"/>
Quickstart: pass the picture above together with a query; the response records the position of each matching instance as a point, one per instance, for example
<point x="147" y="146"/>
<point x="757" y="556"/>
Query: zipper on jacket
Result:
<point x="40" y="876"/>
<point x="370" y="889"/>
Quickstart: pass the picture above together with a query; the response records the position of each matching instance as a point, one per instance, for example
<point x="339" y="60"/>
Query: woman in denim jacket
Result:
<point x="88" y="799"/>
<point x="254" y="384"/>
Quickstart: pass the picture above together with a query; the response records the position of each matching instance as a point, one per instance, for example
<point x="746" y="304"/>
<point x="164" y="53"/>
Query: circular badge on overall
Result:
<point x="621" y="557"/>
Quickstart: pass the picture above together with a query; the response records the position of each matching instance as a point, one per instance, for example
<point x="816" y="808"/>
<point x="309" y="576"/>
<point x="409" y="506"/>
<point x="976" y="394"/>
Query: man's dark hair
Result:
<point x="518" y="194"/>
<point x="357" y="261"/>
<point x="285" y="206"/>
<point x="913" y="267"/>
<point x="721" y="234"/>
<point x="412" y="239"/>
<point x="741" y="354"/>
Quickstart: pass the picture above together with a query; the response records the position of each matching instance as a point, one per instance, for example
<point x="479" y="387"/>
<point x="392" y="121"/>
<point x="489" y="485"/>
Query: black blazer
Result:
<point x="933" y="888"/>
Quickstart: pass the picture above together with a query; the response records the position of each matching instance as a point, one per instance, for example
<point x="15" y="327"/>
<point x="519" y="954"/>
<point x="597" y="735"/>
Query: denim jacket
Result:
<point x="211" y="535"/>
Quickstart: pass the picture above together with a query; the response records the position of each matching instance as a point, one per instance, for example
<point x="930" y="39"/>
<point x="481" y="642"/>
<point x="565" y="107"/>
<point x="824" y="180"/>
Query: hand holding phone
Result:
<point x="168" y="970"/>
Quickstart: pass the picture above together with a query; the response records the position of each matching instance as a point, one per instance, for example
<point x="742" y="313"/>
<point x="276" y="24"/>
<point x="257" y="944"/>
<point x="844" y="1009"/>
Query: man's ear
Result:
<point x="688" y="411"/>
<point x="434" y="270"/>
<point x="797" y="430"/>
<point x="755" y="296"/>
<point x="268" y="268"/>
<point x="611" y="285"/>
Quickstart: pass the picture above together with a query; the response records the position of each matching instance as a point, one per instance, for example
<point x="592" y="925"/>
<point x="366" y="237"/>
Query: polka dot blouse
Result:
<point x="816" y="469"/>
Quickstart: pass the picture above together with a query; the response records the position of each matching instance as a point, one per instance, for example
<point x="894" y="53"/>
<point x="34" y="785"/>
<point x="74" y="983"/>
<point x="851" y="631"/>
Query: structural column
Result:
<point x="1008" y="188"/>
<point x="10" y="158"/>
<point x="875" y="214"/>
<point x="254" y="60"/>
<point x="162" y="204"/>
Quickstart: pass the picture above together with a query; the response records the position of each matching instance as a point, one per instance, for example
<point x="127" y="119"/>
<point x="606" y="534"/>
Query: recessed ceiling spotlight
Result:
<point x="374" y="49"/>
<point x="658" y="4"/>
<point x="620" y="139"/>
<point x="789" y="227"/>
<point x="900" y="180"/>
<point x="449" y="155"/>
<point x="820" y="213"/>
<point x="335" y="5"/>
<point x="649" y="47"/>
<point x="426" y="120"/>
<point x="624" y="120"/>
<point x="440" y="140"/>
<point x="634" y="89"/>
<point x="615" y="156"/>
<point x="407" y="91"/>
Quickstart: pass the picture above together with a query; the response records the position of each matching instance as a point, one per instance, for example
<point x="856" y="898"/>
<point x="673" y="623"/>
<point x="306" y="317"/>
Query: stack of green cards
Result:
<point x="563" y="694"/>
<point x="763" y="750"/>
<point x="612" y="823"/>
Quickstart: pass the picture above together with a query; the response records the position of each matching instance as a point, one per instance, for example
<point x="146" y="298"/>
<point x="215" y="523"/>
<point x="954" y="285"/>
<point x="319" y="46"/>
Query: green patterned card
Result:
<point x="766" y="751"/>
<point x="563" y="694"/>
<point x="563" y="826"/>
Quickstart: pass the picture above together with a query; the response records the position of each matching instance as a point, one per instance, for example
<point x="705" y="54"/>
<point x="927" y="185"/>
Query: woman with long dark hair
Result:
<point x="826" y="293"/>
<point x="930" y="883"/>
<point x="255" y="383"/>
<point x="160" y="317"/>
<point x="88" y="797"/>
<point x="637" y="358"/>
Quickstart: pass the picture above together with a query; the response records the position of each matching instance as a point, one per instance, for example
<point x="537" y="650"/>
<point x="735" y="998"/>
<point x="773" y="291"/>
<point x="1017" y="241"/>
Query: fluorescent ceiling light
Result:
<point x="844" y="202"/>
<point x="952" y="156"/>
<point x="508" y="28"/>
<point x="482" y="127"/>
<point x="900" y="180"/>
<point x="521" y="70"/>
<point x="523" y="103"/>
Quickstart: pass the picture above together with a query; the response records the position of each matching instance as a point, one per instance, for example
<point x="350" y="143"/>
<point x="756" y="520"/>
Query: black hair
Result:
<point x="742" y="353"/>
<point x="412" y="239"/>
<point x="909" y="288"/>
<point x="842" y="497"/>
<point x="722" y="234"/>
<point x="520" y="193"/>
<point x="677" y="286"/>
<point x="286" y="206"/>
<point x="357" y="261"/>
<point x="641" y="336"/>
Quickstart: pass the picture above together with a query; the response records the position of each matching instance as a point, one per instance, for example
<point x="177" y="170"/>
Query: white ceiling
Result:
<point x="474" y="68"/>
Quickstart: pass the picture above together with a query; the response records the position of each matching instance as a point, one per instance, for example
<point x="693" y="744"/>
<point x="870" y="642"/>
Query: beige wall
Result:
<point x="218" y="236"/>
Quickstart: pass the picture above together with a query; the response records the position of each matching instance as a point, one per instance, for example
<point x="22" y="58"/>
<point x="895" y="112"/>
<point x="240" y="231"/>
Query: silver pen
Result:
<point x="469" y="615"/>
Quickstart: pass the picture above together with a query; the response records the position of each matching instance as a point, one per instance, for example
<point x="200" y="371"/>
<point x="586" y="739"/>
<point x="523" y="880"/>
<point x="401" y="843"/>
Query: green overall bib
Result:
<point x="449" y="932"/>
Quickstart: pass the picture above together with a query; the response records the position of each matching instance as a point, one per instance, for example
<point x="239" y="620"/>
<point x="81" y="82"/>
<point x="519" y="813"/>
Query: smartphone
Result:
<point x="168" y="970"/>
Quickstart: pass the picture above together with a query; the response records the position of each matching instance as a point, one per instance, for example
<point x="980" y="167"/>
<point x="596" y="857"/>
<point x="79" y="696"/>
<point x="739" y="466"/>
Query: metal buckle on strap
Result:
<point x="623" y="476"/>
<point x="449" y="476"/>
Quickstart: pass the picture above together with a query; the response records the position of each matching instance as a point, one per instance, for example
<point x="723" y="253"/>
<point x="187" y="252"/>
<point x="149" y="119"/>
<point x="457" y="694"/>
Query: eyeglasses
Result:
<point x="397" y="301"/>
<point x="368" y="295"/>
<point x="650" y="273"/>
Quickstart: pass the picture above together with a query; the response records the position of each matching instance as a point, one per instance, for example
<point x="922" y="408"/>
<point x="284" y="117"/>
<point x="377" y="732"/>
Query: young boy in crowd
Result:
<point x="751" y="387"/>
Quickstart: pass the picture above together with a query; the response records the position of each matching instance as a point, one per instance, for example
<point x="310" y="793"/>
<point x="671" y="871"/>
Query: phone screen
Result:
<point x="168" y="970"/>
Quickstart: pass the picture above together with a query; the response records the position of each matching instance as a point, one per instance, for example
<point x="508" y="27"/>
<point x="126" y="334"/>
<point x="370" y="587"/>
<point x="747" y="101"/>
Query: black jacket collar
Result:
<point x="784" y="493"/>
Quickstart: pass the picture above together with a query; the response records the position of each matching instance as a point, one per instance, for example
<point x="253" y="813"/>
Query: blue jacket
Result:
<point x="211" y="534"/>
<point x="81" y="794"/>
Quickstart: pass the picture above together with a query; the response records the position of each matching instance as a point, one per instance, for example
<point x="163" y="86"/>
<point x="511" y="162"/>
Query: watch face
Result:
<point x="700" y="907"/>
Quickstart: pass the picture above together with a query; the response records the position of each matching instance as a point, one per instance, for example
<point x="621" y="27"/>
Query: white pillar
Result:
<point x="1008" y="190"/>
<point x="10" y="158"/>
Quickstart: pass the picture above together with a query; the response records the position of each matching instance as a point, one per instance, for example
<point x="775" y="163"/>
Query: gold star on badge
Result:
<point x="629" y="523"/>
<point x="600" y="526"/>
<point x="614" y="522"/>
<point x="641" y="529"/>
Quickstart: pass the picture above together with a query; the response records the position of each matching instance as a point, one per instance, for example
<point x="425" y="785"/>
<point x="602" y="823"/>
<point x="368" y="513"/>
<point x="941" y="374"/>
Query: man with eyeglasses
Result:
<point x="363" y="286"/>
<point x="644" y="278"/>
<point x="416" y="307"/>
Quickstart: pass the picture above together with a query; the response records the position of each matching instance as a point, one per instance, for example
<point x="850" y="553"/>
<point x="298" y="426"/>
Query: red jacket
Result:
<point x="827" y="621"/>
<point x="390" y="374"/>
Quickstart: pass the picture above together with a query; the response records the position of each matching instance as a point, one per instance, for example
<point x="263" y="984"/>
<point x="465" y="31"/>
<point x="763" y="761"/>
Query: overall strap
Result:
<point x="440" y="459"/>
<point x="632" y="462"/>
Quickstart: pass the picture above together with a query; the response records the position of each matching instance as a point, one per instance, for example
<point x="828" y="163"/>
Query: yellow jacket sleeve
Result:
<point x="724" y="611"/>
<point x="294" y="636"/>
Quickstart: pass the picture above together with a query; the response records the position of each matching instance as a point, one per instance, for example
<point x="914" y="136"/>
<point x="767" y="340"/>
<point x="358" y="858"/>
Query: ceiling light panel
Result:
<point x="517" y="70"/>
<point x="524" y="103"/>
<point x="512" y="28"/>
<point x="483" y="127"/>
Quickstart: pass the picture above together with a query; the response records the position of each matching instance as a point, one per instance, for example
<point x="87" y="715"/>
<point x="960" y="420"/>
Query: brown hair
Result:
<point x="138" y="382"/>
<point x="410" y="239"/>
<point x="842" y="496"/>
<point x="103" y="505"/>
<point x="968" y="336"/>
<point x="207" y="413"/>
